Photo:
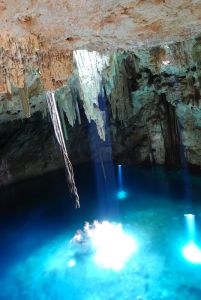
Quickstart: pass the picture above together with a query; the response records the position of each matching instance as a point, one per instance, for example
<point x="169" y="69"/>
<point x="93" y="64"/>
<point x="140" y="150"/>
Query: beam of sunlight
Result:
<point x="103" y="164"/>
<point x="121" y="194"/>
<point x="190" y="224"/>
<point x="120" y="182"/>
<point x="191" y="252"/>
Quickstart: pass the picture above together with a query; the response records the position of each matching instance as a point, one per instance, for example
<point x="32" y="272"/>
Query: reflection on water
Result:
<point x="38" y="220"/>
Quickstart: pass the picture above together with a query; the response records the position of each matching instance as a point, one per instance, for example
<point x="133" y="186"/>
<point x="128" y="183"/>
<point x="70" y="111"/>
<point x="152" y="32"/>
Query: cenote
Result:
<point x="38" y="221"/>
<point x="100" y="150"/>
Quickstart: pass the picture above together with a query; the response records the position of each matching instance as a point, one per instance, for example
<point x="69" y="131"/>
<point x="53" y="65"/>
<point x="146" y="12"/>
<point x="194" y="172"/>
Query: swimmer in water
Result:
<point x="96" y="224"/>
<point x="82" y="237"/>
<point x="88" y="230"/>
<point x="78" y="237"/>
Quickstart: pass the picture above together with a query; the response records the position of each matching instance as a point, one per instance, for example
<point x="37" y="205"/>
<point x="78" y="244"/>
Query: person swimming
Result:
<point x="85" y="235"/>
<point x="78" y="237"/>
<point x="88" y="230"/>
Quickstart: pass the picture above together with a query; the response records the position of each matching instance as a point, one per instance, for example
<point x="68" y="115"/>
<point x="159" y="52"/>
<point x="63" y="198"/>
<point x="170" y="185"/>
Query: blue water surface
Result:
<point x="38" y="218"/>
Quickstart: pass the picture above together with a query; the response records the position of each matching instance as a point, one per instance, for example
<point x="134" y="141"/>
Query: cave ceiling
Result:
<point x="101" y="24"/>
<point x="37" y="39"/>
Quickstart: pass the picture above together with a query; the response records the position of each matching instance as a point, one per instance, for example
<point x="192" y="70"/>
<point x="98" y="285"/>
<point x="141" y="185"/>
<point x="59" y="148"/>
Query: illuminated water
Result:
<point x="38" y="220"/>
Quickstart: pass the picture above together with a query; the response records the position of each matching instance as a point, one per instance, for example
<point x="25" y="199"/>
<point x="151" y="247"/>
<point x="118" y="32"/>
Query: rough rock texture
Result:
<point x="41" y="35"/>
<point x="151" y="105"/>
<point x="14" y="106"/>
<point x="27" y="148"/>
<point x="19" y="56"/>
<point x="101" y="24"/>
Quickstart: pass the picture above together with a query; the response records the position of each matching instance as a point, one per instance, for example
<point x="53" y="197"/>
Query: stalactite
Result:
<point x="117" y="79"/>
<point x="75" y="93"/>
<point x="170" y="133"/>
<point x="67" y="102"/>
<point x="174" y="94"/>
<point x="55" y="67"/>
<point x="68" y="106"/>
<point x="60" y="138"/>
<point x="90" y="67"/>
<point x="25" y="102"/>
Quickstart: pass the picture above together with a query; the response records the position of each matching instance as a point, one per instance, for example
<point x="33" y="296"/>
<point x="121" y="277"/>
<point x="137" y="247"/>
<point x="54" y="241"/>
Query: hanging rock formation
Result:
<point x="152" y="87"/>
<point x="152" y="95"/>
<point x="152" y="98"/>
<point x="90" y="65"/>
<point x="41" y="35"/>
<point x="18" y="57"/>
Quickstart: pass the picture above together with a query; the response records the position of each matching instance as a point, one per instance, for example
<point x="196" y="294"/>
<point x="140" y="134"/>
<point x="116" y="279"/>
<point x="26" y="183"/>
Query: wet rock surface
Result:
<point x="150" y="102"/>
<point x="27" y="148"/>
<point x="41" y="35"/>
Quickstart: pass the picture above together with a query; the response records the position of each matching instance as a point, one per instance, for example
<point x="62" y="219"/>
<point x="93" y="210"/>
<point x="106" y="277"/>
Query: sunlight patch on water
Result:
<point x="192" y="253"/>
<point x="121" y="195"/>
<point x="113" y="246"/>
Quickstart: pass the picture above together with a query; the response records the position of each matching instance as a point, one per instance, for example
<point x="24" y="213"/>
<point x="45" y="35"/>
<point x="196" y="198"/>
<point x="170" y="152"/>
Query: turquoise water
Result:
<point x="38" y="220"/>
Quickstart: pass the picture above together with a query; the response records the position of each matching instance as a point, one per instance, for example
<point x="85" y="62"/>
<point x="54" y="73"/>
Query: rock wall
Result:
<point x="155" y="104"/>
<point x="27" y="148"/>
<point x="150" y="100"/>
<point x="40" y="36"/>
<point x="20" y="56"/>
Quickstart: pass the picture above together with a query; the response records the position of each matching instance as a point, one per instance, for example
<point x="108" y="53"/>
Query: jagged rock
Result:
<point x="19" y="57"/>
<point x="24" y="101"/>
<point x="151" y="104"/>
<point x="42" y="34"/>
